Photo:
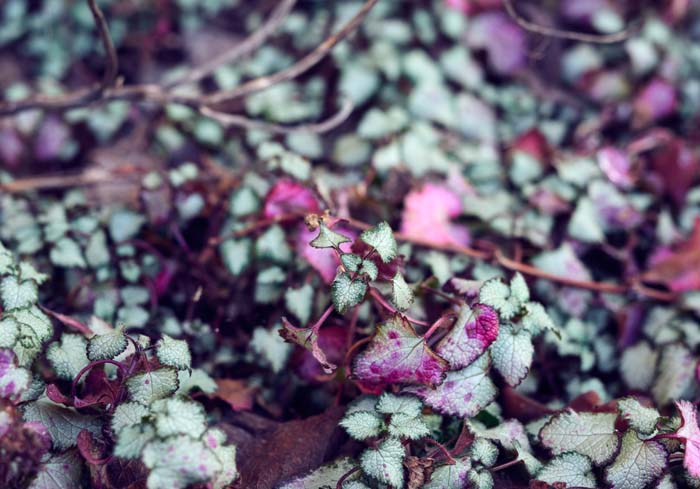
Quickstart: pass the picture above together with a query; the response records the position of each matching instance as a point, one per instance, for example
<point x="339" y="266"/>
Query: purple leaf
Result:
<point x="690" y="434"/>
<point x="288" y="196"/>
<point x="476" y="328"/>
<point x="51" y="138"/>
<point x="617" y="166"/>
<point x="398" y="355"/>
<point x="502" y="39"/>
<point x="657" y="100"/>
<point x="11" y="147"/>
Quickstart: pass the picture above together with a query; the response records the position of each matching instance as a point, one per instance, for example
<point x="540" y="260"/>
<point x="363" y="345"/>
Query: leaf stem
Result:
<point x="505" y="465"/>
<point x="443" y="449"/>
<point x="345" y="476"/>
<point x="437" y="324"/>
<point x="317" y="325"/>
<point x="89" y="367"/>
<point x="377" y="296"/>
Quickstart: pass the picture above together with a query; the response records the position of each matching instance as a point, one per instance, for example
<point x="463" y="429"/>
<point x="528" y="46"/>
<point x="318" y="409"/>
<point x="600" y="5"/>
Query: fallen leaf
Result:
<point x="427" y="214"/>
<point x="287" y="196"/>
<point x="679" y="269"/>
<point x="236" y="393"/>
<point x="290" y="449"/>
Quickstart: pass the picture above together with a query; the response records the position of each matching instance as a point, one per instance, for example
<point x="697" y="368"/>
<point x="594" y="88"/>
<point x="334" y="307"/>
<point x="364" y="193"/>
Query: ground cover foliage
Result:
<point x="350" y="245"/>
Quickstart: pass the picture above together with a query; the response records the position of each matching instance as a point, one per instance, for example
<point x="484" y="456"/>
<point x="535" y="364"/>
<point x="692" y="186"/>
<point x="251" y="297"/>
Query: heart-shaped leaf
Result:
<point x="474" y="331"/>
<point x="346" y="292"/>
<point x="590" y="434"/>
<point x="381" y="238"/>
<point x="398" y="355"/>
<point x="638" y="464"/>
<point x="385" y="463"/>
<point x="571" y="468"/>
<point x="464" y="392"/>
<point x="512" y="354"/>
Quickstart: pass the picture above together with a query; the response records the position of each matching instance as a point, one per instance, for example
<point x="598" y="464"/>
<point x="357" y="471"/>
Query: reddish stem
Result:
<point x="443" y="449"/>
<point x="505" y="465"/>
<point x="68" y="321"/>
<point x="317" y="325"/>
<point x="345" y="476"/>
<point x="89" y="367"/>
<point x="257" y="225"/>
<point x="377" y="296"/>
<point x="437" y="324"/>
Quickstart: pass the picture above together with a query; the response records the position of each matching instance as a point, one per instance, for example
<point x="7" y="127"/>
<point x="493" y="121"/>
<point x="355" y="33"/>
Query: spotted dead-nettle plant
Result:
<point x="106" y="402"/>
<point x="429" y="416"/>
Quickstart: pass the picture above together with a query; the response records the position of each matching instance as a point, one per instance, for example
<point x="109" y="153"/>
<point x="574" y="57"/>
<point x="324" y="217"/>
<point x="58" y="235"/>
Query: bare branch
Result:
<point x="298" y="68"/>
<point x="245" y="47"/>
<point x="160" y="95"/>
<point x="563" y="34"/>
<point x="80" y="97"/>
<point x="112" y="68"/>
<point x="236" y="120"/>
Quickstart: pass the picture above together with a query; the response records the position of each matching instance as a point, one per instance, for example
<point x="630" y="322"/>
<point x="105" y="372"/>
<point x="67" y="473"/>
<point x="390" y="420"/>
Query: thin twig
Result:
<point x="83" y="96"/>
<point x="497" y="256"/>
<point x="454" y="248"/>
<point x="298" y="68"/>
<point x="158" y="95"/>
<point x="536" y="272"/>
<point x="245" y="47"/>
<point x="561" y="33"/>
<point x="442" y="448"/>
<point x="69" y="321"/>
<point x="112" y="69"/>
<point x="89" y="177"/>
<point x="377" y="296"/>
<point x="437" y="324"/>
<point x="237" y="120"/>
<point x="256" y="226"/>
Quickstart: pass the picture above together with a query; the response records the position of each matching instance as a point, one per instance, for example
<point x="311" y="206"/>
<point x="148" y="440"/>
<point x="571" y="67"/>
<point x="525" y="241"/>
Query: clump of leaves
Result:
<point x="128" y="400"/>
<point x="390" y="424"/>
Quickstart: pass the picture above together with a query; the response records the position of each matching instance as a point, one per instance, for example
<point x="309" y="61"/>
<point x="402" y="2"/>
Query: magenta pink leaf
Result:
<point x="464" y="392"/>
<point x="398" y="355"/>
<point x="533" y="143"/>
<point x="476" y="328"/>
<point x="690" y="434"/>
<point x="617" y="166"/>
<point x="427" y="213"/>
<point x="323" y="260"/>
<point x="678" y="269"/>
<point x="656" y="100"/>
<point x="288" y="196"/>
